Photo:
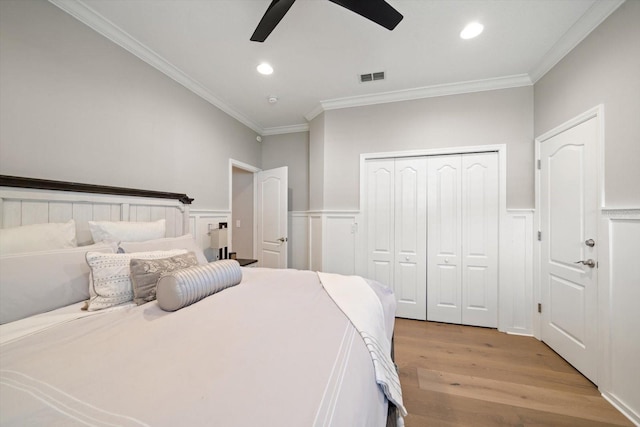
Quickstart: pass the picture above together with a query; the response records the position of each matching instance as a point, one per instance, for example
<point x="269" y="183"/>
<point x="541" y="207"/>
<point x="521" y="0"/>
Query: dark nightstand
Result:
<point x="247" y="262"/>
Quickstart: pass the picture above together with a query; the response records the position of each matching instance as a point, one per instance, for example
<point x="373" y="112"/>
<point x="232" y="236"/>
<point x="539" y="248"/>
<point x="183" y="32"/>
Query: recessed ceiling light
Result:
<point x="471" y="30"/>
<point x="265" y="69"/>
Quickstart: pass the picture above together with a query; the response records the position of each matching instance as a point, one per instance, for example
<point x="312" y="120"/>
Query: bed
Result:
<point x="278" y="348"/>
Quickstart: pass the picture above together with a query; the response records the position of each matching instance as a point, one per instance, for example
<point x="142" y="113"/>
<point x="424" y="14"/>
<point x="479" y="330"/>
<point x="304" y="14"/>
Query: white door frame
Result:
<point x="603" y="312"/>
<point x="501" y="149"/>
<point x="249" y="168"/>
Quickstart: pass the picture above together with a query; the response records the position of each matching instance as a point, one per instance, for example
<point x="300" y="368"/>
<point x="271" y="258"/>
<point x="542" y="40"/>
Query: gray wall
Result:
<point x="242" y="210"/>
<point x="76" y="107"/>
<point x="316" y="162"/>
<point x="603" y="69"/>
<point x="290" y="150"/>
<point x="483" y="118"/>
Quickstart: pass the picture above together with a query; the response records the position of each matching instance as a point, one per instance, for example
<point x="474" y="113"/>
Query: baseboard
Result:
<point x="626" y="411"/>
<point x="520" y="334"/>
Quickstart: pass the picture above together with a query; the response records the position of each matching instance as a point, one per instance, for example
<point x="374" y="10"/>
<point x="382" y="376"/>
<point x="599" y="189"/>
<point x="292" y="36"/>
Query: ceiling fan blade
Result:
<point x="274" y="14"/>
<point x="378" y="11"/>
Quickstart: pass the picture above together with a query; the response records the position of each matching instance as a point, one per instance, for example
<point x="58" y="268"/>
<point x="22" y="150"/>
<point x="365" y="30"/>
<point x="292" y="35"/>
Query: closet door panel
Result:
<point x="443" y="248"/>
<point x="410" y="237"/>
<point x="480" y="239"/>
<point x="380" y="176"/>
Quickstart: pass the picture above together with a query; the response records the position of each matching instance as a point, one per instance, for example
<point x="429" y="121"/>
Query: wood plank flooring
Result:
<point x="456" y="375"/>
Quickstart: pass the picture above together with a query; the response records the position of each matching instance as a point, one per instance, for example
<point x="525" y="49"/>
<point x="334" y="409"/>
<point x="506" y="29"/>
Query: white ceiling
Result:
<point x="319" y="49"/>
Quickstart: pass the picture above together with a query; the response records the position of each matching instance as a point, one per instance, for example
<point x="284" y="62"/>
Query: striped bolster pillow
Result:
<point x="183" y="287"/>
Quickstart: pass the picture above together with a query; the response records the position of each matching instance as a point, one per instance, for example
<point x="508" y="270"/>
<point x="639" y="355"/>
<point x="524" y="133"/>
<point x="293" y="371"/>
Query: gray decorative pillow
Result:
<point x="110" y="279"/>
<point x="146" y="272"/>
<point x="181" y="288"/>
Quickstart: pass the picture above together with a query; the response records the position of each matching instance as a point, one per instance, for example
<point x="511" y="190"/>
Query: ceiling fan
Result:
<point x="378" y="11"/>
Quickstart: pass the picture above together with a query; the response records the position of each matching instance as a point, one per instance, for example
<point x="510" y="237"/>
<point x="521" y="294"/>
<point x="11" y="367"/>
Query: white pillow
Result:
<point x="123" y="231"/>
<point x="110" y="282"/>
<point x="38" y="282"/>
<point x="38" y="237"/>
<point x="182" y="242"/>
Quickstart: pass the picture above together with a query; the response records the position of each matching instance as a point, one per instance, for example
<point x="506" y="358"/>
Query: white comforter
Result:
<point x="361" y="305"/>
<point x="272" y="351"/>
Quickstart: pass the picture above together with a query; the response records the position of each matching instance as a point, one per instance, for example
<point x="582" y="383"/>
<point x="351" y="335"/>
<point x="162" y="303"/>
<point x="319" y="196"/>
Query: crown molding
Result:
<point x="506" y="82"/>
<point x="314" y="113"/>
<point x="588" y="22"/>
<point x="108" y="29"/>
<point x="279" y="130"/>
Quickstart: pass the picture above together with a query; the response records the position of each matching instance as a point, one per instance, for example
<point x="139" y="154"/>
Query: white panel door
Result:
<point x="568" y="204"/>
<point x="410" y="269"/>
<point x="271" y="212"/>
<point x="380" y="190"/>
<point x="444" y="279"/>
<point x="480" y="239"/>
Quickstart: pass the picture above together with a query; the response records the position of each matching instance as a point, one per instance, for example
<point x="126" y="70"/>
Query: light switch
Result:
<point x="237" y="223"/>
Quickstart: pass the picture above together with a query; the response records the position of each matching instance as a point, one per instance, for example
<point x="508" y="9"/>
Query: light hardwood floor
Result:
<point x="455" y="375"/>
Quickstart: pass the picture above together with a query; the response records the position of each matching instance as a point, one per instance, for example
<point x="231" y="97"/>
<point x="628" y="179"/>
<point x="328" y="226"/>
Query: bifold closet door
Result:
<point x="463" y="239"/>
<point x="410" y="248"/>
<point x="396" y="204"/>
<point x="380" y="212"/>
<point x="444" y="276"/>
<point x="480" y="239"/>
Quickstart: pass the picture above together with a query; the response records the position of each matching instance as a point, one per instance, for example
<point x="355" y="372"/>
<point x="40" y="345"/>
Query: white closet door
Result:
<point x="444" y="280"/>
<point x="480" y="239"/>
<point x="410" y="270"/>
<point x="380" y="219"/>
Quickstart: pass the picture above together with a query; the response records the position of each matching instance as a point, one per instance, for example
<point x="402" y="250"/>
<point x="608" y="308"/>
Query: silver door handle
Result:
<point x="591" y="263"/>
<point x="590" y="242"/>
<point x="283" y="239"/>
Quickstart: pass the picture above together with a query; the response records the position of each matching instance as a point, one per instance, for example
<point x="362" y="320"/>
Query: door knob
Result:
<point x="590" y="242"/>
<point x="283" y="239"/>
<point x="591" y="263"/>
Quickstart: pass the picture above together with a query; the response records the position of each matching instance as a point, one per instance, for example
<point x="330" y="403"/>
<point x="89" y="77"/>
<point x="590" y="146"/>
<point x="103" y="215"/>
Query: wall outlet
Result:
<point x="237" y="223"/>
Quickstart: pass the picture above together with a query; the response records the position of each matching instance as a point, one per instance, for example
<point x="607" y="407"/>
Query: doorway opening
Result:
<point x="242" y="203"/>
<point x="242" y="208"/>
<point x="258" y="201"/>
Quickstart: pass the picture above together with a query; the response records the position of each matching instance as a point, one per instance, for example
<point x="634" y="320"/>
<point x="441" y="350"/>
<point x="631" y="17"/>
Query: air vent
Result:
<point x="369" y="77"/>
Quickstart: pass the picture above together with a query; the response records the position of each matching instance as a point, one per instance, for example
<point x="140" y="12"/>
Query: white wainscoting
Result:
<point x="200" y="221"/>
<point x="334" y="244"/>
<point x="340" y="234"/>
<point x="324" y="241"/>
<point x="298" y="240"/>
<point x="619" y="294"/>
<point x="315" y="241"/>
<point x="515" y="295"/>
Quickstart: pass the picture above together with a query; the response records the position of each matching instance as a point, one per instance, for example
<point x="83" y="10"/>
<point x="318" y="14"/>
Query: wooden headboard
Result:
<point x="25" y="201"/>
